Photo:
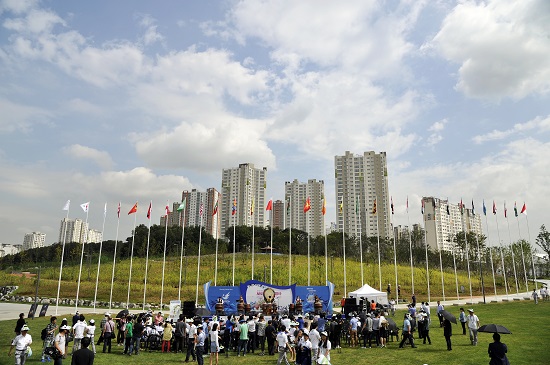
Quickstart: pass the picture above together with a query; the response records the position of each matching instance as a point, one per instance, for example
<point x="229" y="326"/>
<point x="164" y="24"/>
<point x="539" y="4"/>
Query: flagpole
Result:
<point x="164" y="256"/>
<point x="501" y="252"/>
<point x="511" y="249"/>
<point x="131" y="260"/>
<point x="440" y="248"/>
<point x="395" y="259"/>
<point x="490" y="252"/>
<point x="149" y="212"/>
<point x="467" y="248"/>
<point x="456" y="275"/>
<point x="114" y="259"/>
<point x="326" y="242"/>
<point x="410" y="245"/>
<point x="99" y="258"/>
<point x="427" y="266"/>
<point x="234" y="222"/>
<point x="378" y="244"/>
<point x="289" y="242"/>
<point x="82" y="258"/>
<point x="182" y="241"/>
<point x="522" y="255"/>
<point x="524" y="210"/>
<point x="344" y="247"/>
<point x="67" y="205"/>
<point x="253" y="236"/>
<point x="308" y="249"/>
<point x="216" y="258"/>
<point x="358" y="215"/>
<point x="271" y="248"/>
<point x="199" y="258"/>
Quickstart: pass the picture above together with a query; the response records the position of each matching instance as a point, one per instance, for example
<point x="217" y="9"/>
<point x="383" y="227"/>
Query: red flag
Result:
<point x="494" y="208"/>
<point x="324" y="209"/>
<point x="215" y="208"/>
<point x="234" y="207"/>
<point x="524" y="209"/>
<point x="307" y="205"/>
<point x="167" y="209"/>
<point x="269" y="205"/>
<point x="149" y="210"/>
<point x="201" y="209"/>
<point x="133" y="210"/>
<point x="505" y="211"/>
<point x="118" y="213"/>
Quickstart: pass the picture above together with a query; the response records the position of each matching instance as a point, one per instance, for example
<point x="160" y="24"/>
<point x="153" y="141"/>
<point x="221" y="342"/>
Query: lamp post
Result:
<point x="36" y="291"/>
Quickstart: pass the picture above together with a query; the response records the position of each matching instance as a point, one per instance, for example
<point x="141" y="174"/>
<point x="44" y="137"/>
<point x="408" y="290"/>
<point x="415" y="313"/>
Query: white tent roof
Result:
<point x="368" y="292"/>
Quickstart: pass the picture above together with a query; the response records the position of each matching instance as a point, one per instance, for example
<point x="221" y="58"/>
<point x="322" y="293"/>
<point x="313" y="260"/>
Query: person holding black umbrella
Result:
<point x="447" y="332"/>
<point x="497" y="351"/>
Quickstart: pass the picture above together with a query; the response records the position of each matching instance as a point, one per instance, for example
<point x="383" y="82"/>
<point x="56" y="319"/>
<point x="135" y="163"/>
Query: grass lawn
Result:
<point x="529" y="323"/>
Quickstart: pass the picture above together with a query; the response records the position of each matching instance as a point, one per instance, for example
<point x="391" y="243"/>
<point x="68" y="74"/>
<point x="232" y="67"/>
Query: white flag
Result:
<point x="105" y="210"/>
<point x="67" y="205"/>
<point x="85" y="207"/>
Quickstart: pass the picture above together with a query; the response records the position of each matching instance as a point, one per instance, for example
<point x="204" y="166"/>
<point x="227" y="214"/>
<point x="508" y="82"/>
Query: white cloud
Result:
<point x="502" y="47"/>
<point x="539" y="123"/>
<point x="17" y="6"/>
<point x="100" y="158"/>
<point x="36" y="21"/>
<point x="18" y="117"/>
<point x="436" y="135"/>
<point x="151" y="35"/>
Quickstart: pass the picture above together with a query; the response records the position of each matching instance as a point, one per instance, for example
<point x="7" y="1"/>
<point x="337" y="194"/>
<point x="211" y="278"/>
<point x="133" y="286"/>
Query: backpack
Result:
<point x="44" y="334"/>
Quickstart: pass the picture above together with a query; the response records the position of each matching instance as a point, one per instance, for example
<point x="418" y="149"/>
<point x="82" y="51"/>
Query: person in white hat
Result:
<point x="324" y="347"/>
<point x="473" y="325"/>
<point x="90" y="333"/>
<point x="21" y="342"/>
<point x="60" y="344"/>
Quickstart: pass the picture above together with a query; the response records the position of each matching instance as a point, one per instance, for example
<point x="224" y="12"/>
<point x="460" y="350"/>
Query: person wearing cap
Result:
<point x="191" y="338"/>
<point x="367" y="331"/>
<point x="473" y="325"/>
<point x="305" y="349"/>
<point x="426" y="335"/>
<point x="83" y="356"/>
<point x="407" y="332"/>
<point x="325" y="346"/>
<point x="90" y="333"/>
<point x="20" y="343"/>
<point x="78" y="332"/>
<point x="50" y="334"/>
<point x="60" y="344"/>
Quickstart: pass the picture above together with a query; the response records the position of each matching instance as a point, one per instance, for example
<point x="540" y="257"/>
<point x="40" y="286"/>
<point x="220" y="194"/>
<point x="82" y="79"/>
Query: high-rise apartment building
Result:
<point x="362" y="180"/>
<point x="444" y="220"/>
<point x="73" y="231"/>
<point x="197" y="204"/>
<point x="296" y="194"/>
<point x="279" y="214"/>
<point x="243" y="200"/>
<point x="34" y="240"/>
<point x="94" y="236"/>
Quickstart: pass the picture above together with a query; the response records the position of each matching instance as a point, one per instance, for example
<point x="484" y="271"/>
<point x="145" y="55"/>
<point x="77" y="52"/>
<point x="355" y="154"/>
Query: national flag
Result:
<point x="215" y="208"/>
<point x="134" y="209"/>
<point x="342" y="206"/>
<point x="288" y="206"/>
<point x="391" y="204"/>
<point x="494" y="208"/>
<point x="357" y="205"/>
<point x="448" y="211"/>
<point x="324" y="208"/>
<point x="484" y="208"/>
<point x="252" y="207"/>
<point x="269" y="205"/>
<point x="422" y="209"/>
<point x="201" y="209"/>
<point x="182" y="205"/>
<point x="234" y="207"/>
<point x="105" y="211"/>
<point x="374" y="207"/>
<point x="67" y="205"/>
<point x="167" y="209"/>
<point x="515" y="209"/>
<point x="149" y="210"/>
<point x="307" y="205"/>
<point x="118" y="211"/>
<point x="85" y="207"/>
<point x="524" y="209"/>
<point x="505" y="211"/>
<point x="473" y="211"/>
<point x="407" y="203"/>
<point x="461" y="206"/>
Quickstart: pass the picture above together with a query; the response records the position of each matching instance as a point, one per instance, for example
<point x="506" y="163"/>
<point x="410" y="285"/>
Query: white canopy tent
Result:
<point x="369" y="293"/>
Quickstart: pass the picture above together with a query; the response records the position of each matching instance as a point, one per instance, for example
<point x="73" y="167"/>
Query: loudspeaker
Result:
<point x="188" y="309"/>
<point x="350" y="305"/>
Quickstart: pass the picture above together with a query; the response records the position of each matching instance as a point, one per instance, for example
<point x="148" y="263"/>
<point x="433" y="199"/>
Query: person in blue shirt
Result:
<point x="199" y="345"/>
<point x="407" y="332"/>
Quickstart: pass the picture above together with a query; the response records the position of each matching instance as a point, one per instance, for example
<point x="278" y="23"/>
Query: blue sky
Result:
<point x="136" y="101"/>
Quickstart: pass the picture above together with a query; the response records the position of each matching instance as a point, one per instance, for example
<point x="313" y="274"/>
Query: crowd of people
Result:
<point x="300" y="339"/>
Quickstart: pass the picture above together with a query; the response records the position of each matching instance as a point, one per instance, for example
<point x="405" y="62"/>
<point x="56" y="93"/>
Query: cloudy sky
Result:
<point x="135" y="100"/>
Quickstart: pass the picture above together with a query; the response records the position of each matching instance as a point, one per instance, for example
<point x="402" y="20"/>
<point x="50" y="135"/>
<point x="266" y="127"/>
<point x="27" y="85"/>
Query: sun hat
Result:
<point x="471" y="310"/>
<point x="25" y="328"/>
<point x="324" y="333"/>
<point x="92" y="321"/>
<point x="65" y="328"/>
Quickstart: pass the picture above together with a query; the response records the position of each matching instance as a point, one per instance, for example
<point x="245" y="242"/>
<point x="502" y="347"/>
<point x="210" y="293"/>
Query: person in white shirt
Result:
<point x="286" y="322"/>
<point x="325" y="346"/>
<point x="90" y="332"/>
<point x="315" y="339"/>
<point x="21" y="342"/>
<point x="473" y="325"/>
<point x="282" y="345"/>
<point x="78" y="332"/>
<point x="305" y="349"/>
<point x="59" y="343"/>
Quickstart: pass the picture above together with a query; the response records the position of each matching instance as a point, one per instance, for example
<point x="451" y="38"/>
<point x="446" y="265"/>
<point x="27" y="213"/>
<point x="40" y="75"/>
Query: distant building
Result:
<point x="73" y="231"/>
<point x="362" y="180"/>
<point x="279" y="214"/>
<point x="34" y="240"/>
<point x="7" y="249"/>
<point x="95" y="236"/>
<point x="197" y="204"/>
<point x="444" y="220"/>
<point x="243" y="197"/>
<point x="296" y="194"/>
<point x="404" y="232"/>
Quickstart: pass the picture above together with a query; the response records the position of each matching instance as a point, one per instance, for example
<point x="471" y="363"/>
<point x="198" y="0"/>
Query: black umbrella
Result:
<point x="448" y="316"/>
<point x="391" y="324"/>
<point x="202" y="312"/>
<point x="494" y="328"/>
<point x="122" y="314"/>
